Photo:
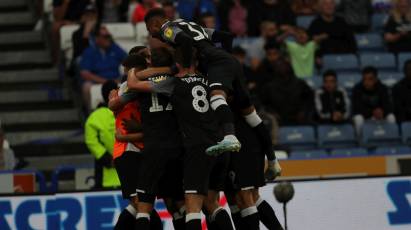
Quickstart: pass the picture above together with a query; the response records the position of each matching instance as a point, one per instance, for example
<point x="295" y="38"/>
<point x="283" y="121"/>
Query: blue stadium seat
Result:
<point x="336" y="136"/>
<point x="406" y="132"/>
<point x="314" y="82"/>
<point x="352" y="152"/>
<point x="298" y="137"/>
<point x="395" y="150"/>
<point x="304" y="21"/>
<point x="341" y="62"/>
<point x="390" y="78"/>
<point x="308" y="154"/>
<point x="378" y="21"/>
<point x="369" y="42"/>
<point x="382" y="61"/>
<point x="348" y="80"/>
<point x="380" y="134"/>
<point x="402" y="58"/>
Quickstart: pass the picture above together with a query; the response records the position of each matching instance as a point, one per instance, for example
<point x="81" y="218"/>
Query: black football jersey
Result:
<point x="159" y="122"/>
<point x="190" y="100"/>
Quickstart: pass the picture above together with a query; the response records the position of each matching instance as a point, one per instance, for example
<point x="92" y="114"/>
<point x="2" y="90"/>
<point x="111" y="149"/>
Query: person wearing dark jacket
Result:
<point x="402" y="95"/>
<point x="288" y="98"/>
<point x="335" y="34"/>
<point x="371" y="100"/>
<point x="331" y="102"/>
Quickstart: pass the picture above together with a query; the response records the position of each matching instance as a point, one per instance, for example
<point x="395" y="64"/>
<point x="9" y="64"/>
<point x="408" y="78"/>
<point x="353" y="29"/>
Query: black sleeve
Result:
<point x="186" y="43"/>
<point x="225" y="38"/>
<point x="356" y="102"/>
<point x="390" y="26"/>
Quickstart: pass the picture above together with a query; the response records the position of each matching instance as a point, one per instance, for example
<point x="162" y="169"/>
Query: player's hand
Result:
<point x="273" y="170"/>
<point x="131" y="125"/>
<point x="113" y="94"/>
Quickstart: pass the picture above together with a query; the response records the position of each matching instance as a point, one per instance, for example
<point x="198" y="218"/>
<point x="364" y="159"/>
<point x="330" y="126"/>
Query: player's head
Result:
<point x="272" y="51"/>
<point x="108" y="86"/>
<point x="154" y="19"/>
<point x="161" y="57"/>
<point x="142" y="51"/>
<point x="179" y="58"/>
<point x="134" y="61"/>
<point x="208" y="20"/>
<point x="330" y="80"/>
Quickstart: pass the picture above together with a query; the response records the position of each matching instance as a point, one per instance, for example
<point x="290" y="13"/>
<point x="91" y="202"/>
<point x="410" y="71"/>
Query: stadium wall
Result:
<point x="368" y="203"/>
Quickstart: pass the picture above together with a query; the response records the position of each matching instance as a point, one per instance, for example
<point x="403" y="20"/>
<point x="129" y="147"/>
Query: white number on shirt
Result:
<point x="200" y="34"/>
<point x="200" y="95"/>
<point x="156" y="107"/>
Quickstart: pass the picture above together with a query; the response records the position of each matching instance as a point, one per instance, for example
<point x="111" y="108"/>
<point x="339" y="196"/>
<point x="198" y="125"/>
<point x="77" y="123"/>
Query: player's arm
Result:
<point x="134" y="83"/>
<point x="129" y="137"/>
<point x="181" y="39"/>
<point x="144" y="74"/>
<point x="223" y="37"/>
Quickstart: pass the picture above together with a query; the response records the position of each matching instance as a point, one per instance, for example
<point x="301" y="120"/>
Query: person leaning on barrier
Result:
<point x="99" y="137"/>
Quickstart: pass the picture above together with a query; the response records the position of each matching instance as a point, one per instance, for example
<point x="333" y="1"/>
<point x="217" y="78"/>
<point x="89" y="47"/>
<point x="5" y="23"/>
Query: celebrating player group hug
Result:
<point x="197" y="133"/>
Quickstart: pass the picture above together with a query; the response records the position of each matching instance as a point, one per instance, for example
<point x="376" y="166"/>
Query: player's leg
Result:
<point x="193" y="203"/>
<point x="220" y="78"/>
<point x="218" y="216"/>
<point x="125" y="166"/>
<point x="234" y="210"/>
<point x="266" y="213"/>
<point x="144" y="207"/>
<point x="249" y="212"/>
<point x="178" y="212"/>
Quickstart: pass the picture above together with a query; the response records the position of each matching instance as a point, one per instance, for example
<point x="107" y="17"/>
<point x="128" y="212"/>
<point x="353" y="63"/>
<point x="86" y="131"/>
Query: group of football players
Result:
<point x="197" y="133"/>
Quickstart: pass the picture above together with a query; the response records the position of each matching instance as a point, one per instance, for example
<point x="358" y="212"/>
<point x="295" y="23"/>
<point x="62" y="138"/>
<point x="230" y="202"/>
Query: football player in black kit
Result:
<point x="189" y="97"/>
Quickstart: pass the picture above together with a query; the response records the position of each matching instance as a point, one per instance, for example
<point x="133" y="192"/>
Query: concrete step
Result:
<point x="34" y="95"/>
<point x="22" y="40"/>
<point x="34" y="75"/>
<point x="50" y="105"/>
<point x="16" y="21"/>
<point x="53" y="149"/>
<point x="50" y="163"/>
<point x="20" y="138"/>
<point x="42" y="126"/>
<point x="40" y="85"/>
<point x="20" y="60"/>
<point x="13" y="5"/>
<point x="42" y="116"/>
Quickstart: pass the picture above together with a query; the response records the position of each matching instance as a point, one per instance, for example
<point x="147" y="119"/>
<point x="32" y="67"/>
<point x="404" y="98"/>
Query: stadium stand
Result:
<point x="369" y="42"/>
<point x="406" y="132"/>
<point x="304" y="21"/>
<point x="402" y="58"/>
<point x="380" y="134"/>
<point x="308" y="154"/>
<point x="351" y="152"/>
<point x="336" y="136"/>
<point x="349" y="80"/>
<point x="341" y="62"/>
<point x="390" y="78"/>
<point x="393" y="150"/>
<point x="381" y="61"/>
<point x="298" y="137"/>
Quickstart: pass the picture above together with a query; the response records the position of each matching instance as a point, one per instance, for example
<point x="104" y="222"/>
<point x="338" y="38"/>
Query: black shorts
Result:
<point x="127" y="166"/>
<point x="197" y="169"/>
<point x="246" y="170"/>
<point x="160" y="173"/>
<point x="219" y="172"/>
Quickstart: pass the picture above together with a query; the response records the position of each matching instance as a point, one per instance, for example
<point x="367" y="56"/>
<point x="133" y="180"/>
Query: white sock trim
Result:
<point x="131" y="210"/>
<point x="258" y="202"/>
<point x="143" y="215"/>
<point x="212" y="217"/>
<point x="234" y="209"/>
<point x="253" y="119"/>
<point x="217" y="101"/>
<point x="193" y="216"/>
<point x="249" y="211"/>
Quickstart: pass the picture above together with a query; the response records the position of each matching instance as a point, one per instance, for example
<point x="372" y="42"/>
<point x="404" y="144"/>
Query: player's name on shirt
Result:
<point x="195" y="78"/>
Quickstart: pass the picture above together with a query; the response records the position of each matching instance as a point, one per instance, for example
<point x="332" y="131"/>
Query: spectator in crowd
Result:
<point x="169" y="10"/>
<point x="397" y="30"/>
<point x="186" y="9"/>
<point x="357" y="14"/>
<point x="266" y="70"/>
<point x="101" y="61"/>
<point x="112" y="10"/>
<point x="302" y="53"/>
<point x="371" y="100"/>
<point x="99" y="134"/>
<point x="277" y="11"/>
<point x="142" y="8"/>
<point x="7" y="159"/>
<point x="288" y="98"/>
<point x="240" y="54"/>
<point x="80" y="38"/>
<point x="269" y="32"/>
<point x="233" y="17"/>
<point x="304" y="7"/>
<point x="207" y="20"/>
<point x="65" y="12"/>
<point x="402" y="95"/>
<point x="335" y="34"/>
<point x="331" y="102"/>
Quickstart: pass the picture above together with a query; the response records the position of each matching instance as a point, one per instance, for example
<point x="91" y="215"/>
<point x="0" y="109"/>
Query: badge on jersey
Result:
<point x="168" y="33"/>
